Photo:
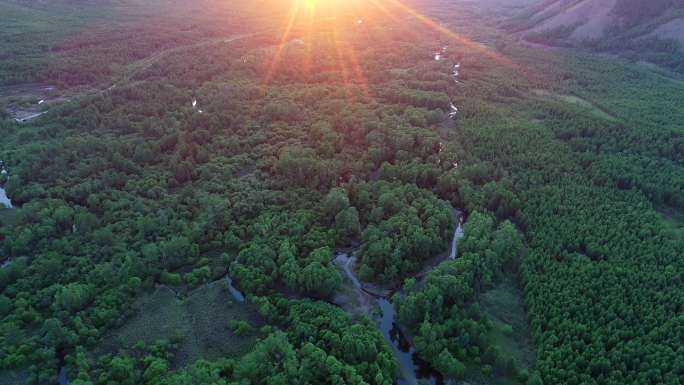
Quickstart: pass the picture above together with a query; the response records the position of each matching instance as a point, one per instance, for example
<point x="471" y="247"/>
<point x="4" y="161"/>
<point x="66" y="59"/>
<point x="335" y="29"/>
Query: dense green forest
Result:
<point x="192" y="151"/>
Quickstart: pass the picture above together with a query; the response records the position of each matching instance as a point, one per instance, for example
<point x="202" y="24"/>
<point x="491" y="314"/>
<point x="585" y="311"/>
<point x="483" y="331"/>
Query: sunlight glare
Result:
<point x="307" y="18"/>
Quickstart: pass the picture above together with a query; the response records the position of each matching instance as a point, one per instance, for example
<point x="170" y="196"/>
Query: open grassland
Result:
<point x="199" y="322"/>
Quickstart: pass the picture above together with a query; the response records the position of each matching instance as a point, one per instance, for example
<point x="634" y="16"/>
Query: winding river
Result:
<point x="411" y="367"/>
<point x="4" y="199"/>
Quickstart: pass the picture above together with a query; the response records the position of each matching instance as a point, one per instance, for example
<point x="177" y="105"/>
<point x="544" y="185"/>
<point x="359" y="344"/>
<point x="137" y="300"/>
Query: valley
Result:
<point x="315" y="191"/>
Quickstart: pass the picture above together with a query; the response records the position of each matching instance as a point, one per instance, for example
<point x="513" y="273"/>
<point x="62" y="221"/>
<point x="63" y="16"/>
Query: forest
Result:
<point x="179" y="207"/>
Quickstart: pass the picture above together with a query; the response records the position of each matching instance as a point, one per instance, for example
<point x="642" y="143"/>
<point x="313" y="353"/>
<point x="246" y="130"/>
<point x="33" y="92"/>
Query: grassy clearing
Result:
<point x="200" y="320"/>
<point x="505" y="307"/>
<point x="672" y="220"/>
<point x="31" y="31"/>
<point x="34" y="32"/>
<point x="577" y="101"/>
<point x="8" y="217"/>
<point x="14" y="377"/>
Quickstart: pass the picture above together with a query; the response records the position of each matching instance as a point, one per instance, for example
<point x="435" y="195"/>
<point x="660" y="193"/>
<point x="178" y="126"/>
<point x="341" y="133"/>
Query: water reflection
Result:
<point x="412" y="369"/>
<point x="4" y="199"/>
<point x="62" y="376"/>
<point x="237" y="294"/>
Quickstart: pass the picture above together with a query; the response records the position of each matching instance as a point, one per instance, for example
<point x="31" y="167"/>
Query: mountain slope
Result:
<point x="587" y="19"/>
<point x="595" y="19"/>
<point x="651" y="31"/>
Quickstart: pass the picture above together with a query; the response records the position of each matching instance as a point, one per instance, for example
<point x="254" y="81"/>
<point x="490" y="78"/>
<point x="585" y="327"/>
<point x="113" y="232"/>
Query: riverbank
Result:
<point x="359" y="298"/>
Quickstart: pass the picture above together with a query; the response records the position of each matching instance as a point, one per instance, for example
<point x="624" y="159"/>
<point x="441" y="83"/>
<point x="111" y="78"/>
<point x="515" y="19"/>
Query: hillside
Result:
<point x="651" y="31"/>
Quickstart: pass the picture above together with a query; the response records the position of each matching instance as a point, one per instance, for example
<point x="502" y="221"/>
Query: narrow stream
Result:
<point x="62" y="376"/>
<point x="458" y="234"/>
<point x="62" y="373"/>
<point x="456" y="71"/>
<point x="237" y="294"/>
<point x="403" y="351"/>
<point x="4" y="199"/>
<point x="411" y="367"/>
<point x="30" y="117"/>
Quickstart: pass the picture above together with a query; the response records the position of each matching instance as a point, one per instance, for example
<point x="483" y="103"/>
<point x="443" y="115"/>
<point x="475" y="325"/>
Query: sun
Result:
<point x="341" y="20"/>
<point x="329" y="8"/>
<point x="312" y="5"/>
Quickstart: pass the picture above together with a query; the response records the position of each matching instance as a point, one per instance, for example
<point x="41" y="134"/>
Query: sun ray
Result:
<point x="314" y="15"/>
<point x="292" y="17"/>
<point x="460" y="39"/>
<point x="342" y="65"/>
<point x="360" y="78"/>
<point x="382" y="8"/>
<point x="308" y="35"/>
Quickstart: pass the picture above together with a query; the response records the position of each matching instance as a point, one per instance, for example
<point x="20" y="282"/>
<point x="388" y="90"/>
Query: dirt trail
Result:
<point x="144" y="64"/>
<point x="46" y="95"/>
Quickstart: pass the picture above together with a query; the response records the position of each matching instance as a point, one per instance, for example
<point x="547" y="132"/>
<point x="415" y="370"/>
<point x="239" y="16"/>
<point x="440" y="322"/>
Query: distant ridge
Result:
<point x="654" y="28"/>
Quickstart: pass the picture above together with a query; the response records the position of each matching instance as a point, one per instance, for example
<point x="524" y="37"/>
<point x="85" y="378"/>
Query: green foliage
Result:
<point x="406" y="226"/>
<point x="321" y="344"/>
<point x="449" y="366"/>
<point x="125" y="190"/>
<point x="334" y="202"/>
<point x="5" y="305"/>
<point x="241" y="327"/>
<point x="280" y="256"/>
<point x="347" y="224"/>
<point x="591" y="234"/>
<point x="535" y="379"/>
<point x="444" y="316"/>
<point x="73" y="297"/>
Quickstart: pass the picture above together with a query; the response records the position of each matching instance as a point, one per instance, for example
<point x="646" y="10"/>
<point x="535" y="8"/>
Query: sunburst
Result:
<point x="337" y="16"/>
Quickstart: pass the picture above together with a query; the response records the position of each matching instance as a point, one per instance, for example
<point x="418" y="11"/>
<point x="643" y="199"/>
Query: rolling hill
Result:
<point x="651" y="31"/>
